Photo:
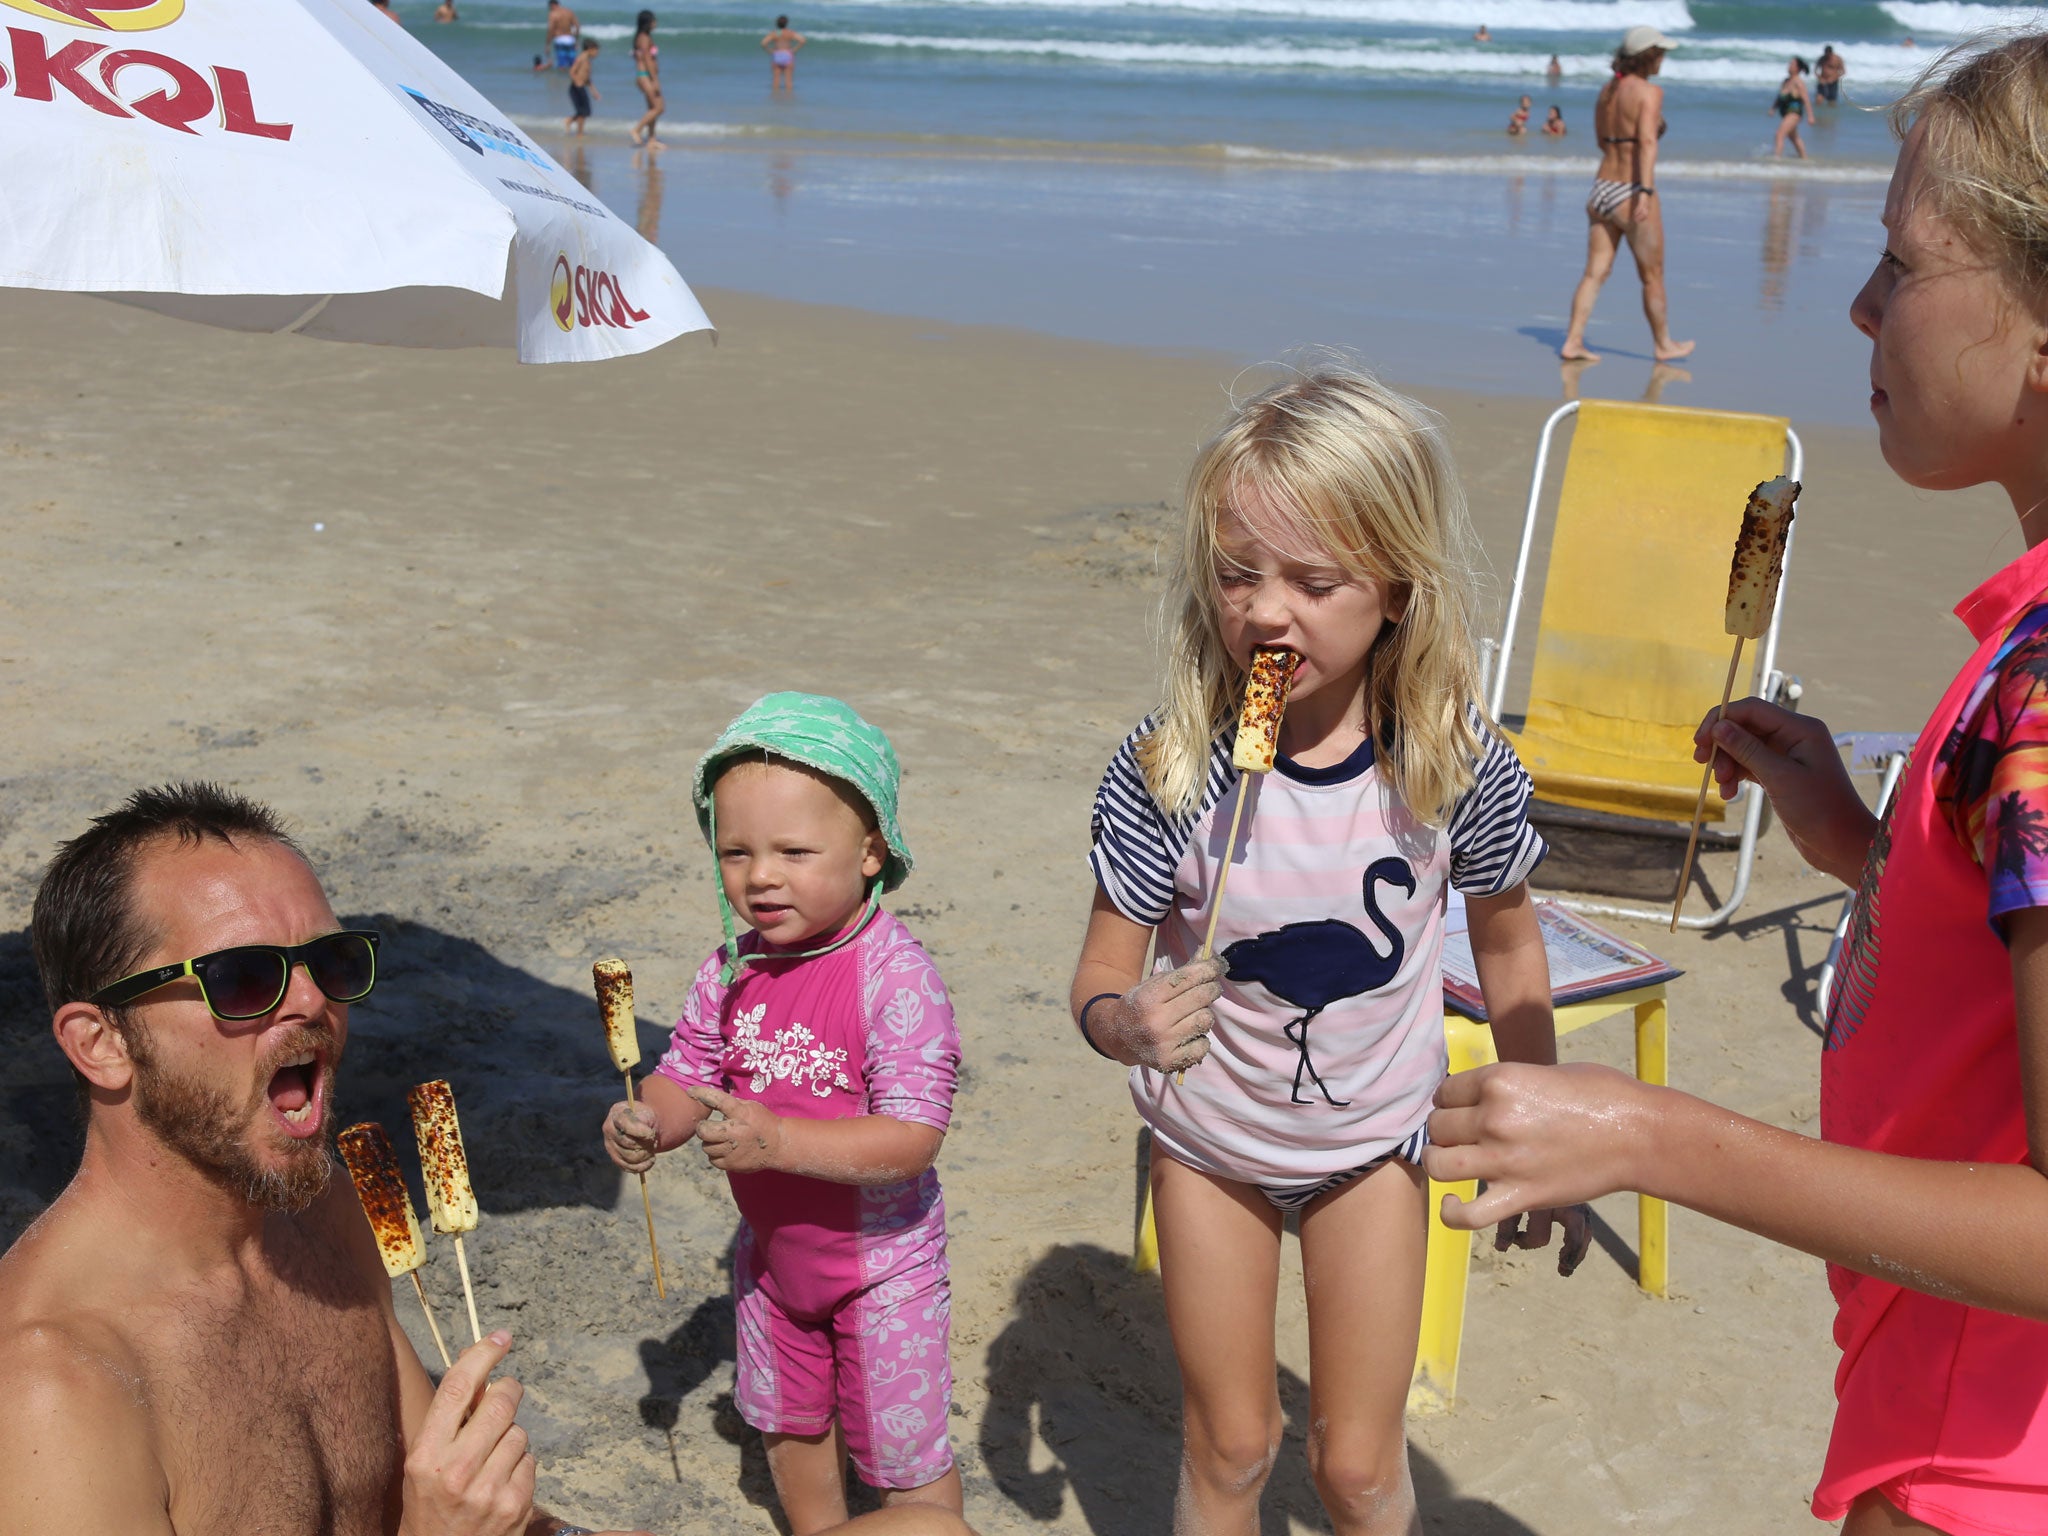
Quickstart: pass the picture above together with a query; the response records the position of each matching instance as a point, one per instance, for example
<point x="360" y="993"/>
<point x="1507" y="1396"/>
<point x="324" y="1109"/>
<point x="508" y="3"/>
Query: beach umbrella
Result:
<point x="303" y="166"/>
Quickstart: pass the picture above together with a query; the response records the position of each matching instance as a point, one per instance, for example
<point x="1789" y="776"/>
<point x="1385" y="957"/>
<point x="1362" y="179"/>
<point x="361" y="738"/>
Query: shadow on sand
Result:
<point x="1084" y="1402"/>
<point x="525" y="1058"/>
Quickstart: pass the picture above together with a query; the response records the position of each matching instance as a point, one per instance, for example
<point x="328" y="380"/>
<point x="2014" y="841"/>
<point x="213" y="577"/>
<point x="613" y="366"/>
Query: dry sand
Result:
<point x="478" y="690"/>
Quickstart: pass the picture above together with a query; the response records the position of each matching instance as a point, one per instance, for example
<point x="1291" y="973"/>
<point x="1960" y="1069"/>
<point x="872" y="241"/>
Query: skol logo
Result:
<point x="589" y="296"/>
<point x="104" y="15"/>
<point x="559" y="300"/>
<point x="183" y="94"/>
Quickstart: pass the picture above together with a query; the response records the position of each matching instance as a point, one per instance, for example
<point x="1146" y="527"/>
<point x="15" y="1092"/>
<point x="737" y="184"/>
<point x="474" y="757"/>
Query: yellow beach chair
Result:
<point x="1630" y="649"/>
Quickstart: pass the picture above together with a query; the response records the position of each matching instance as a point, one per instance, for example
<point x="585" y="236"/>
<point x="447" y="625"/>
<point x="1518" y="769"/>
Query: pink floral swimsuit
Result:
<point x="841" y="1290"/>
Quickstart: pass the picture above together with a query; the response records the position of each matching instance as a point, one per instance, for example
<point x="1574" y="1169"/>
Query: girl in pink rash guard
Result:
<point x="823" y="1043"/>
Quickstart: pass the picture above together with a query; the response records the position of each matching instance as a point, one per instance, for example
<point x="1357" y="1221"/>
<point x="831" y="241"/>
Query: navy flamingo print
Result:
<point x="1313" y="965"/>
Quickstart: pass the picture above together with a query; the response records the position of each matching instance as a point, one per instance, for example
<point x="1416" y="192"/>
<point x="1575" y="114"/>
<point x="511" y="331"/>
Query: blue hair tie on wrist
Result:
<point x="1083" y="1022"/>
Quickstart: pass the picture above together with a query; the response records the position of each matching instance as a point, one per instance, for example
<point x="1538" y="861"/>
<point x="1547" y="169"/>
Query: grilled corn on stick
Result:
<point x="614" y="984"/>
<point x="1753" y="578"/>
<point x="1257" y="745"/>
<point x="1760" y="558"/>
<point x="450" y="1199"/>
<point x="373" y="1165"/>
<point x="1265" y="701"/>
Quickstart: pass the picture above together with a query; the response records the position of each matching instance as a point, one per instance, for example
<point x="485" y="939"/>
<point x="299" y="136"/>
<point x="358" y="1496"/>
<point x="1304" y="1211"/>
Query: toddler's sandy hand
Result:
<point x="632" y="1135"/>
<point x="747" y="1140"/>
<point x="1164" y="1022"/>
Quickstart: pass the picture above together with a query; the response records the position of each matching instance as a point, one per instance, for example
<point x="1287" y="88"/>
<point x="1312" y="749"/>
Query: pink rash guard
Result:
<point x="841" y="1289"/>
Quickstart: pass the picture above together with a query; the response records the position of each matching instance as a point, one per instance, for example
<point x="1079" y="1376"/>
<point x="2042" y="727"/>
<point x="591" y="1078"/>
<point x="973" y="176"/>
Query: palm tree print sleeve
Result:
<point x="1991" y="778"/>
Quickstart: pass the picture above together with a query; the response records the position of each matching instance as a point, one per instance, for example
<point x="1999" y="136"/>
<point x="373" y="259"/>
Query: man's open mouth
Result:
<point x="297" y="1094"/>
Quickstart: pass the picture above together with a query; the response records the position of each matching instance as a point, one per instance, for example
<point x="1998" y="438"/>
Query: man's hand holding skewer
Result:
<point x="1163" y="1022"/>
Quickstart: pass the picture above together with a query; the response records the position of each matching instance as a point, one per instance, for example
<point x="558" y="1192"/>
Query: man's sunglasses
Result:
<point x="250" y="980"/>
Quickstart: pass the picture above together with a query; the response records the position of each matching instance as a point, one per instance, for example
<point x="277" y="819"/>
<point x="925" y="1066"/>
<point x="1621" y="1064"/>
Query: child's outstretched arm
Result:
<point x="860" y="1149"/>
<point x="662" y="1119"/>
<point x="1514" y="977"/>
<point x="1970" y="1232"/>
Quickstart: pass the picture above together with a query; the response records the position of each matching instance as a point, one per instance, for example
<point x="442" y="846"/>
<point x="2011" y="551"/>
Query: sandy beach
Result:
<point x="468" y="626"/>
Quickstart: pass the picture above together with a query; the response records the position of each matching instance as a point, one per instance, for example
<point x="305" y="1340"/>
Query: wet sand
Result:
<point x="477" y="687"/>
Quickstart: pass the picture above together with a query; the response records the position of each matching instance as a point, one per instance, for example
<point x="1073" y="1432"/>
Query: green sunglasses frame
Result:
<point x="129" y="988"/>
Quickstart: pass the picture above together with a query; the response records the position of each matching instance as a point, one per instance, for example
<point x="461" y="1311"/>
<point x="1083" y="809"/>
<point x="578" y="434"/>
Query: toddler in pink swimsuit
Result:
<point x="823" y="1042"/>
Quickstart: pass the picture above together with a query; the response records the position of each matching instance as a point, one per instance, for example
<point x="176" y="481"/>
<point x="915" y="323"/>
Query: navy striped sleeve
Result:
<point x="1134" y="845"/>
<point x="1493" y="847"/>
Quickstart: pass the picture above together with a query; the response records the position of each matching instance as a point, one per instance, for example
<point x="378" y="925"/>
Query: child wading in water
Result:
<point x="1324" y="518"/>
<point x="825" y="1041"/>
<point x="581" y="92"/>
<point x="1926" y="1193"/>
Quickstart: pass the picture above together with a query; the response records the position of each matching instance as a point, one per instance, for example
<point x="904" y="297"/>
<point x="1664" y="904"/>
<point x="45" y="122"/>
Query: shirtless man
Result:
<point x="562" y="30"/>
<point x="198" y="1336"/>
<point x="1628" y="121"/>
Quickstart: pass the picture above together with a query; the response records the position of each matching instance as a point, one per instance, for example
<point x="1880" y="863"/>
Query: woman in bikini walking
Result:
<point x="1628" y="120"/>
<point x="647" y="75"/>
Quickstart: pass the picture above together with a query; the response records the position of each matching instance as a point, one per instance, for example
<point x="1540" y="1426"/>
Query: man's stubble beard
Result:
<point x="201" y="1125"/>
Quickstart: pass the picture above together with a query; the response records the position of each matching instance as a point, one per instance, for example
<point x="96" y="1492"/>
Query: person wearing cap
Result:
<point x="1628" y="120"/>
<point x="815" y="1061"/>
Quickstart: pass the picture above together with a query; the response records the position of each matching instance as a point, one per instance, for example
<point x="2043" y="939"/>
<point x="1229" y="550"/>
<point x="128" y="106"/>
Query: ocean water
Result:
<point x="1342" y="80"/>
<point x="1256" y="176"/>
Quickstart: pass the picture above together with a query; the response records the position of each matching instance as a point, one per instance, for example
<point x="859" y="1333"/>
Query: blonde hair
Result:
<point x="1985" y="107"/>
<point x="1362" y="472"/>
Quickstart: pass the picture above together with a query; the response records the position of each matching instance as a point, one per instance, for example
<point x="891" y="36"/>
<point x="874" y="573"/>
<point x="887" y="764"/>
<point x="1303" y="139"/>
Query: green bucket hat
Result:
<point x="826" y="735"/>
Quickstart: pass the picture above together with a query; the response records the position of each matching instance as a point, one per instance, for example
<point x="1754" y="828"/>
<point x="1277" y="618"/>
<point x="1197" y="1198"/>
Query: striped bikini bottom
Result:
<point x="1608" y="196"/>
<point x="1294" y="1196"/>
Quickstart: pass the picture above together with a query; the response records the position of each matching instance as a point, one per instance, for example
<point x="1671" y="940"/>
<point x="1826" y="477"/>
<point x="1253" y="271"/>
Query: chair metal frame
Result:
<point x="1769" y="683"/>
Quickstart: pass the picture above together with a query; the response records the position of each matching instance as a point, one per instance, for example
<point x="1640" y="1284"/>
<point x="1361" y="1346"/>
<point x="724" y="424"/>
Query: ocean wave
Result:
<point x="1458" y="16"/>
<point x="1760" y="64"/>
<point x="1952" y="18"/>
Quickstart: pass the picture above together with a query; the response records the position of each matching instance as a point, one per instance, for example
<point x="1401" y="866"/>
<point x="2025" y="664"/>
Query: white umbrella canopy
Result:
<point x="303" y="166"/>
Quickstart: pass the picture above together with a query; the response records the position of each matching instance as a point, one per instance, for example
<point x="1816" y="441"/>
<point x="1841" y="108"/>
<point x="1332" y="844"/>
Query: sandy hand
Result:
<point x="1795" y="760"/>
<point x="747" y="1140"/>
<point x="1533" y="1231"/>
<point x="632" y="1136"/>
<point x="470" y="1473"/>
<point x="1163" y="1022"/>
<point x="1541" y="1138"/>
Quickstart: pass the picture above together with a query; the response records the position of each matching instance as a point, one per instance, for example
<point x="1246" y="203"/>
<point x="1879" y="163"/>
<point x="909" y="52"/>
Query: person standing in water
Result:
<point x="563" y="28"/>
<point x="1628" y="120"/>
<point x="1828" y="71"/>
<point x="647" y="75"/>
<point x="1518" y="120"/>
<point x="581" y="92"/>
<point x="1793" y="102"/>
<point x="781" y="45"/>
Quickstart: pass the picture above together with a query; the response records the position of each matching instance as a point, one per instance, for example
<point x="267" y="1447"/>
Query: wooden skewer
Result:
<point x="647" y="1205"/>
<point x="432" y="1327"/>
<point x="1229" y="855"/>
<point x="1699" y="810"/>
<point x="476" y="1332"/>
<point x="1244" y="793"/>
